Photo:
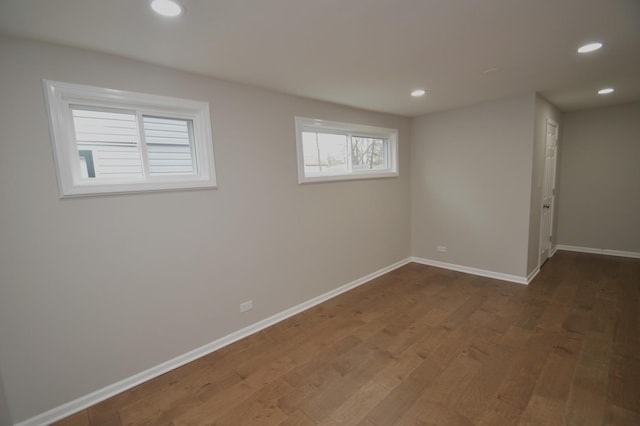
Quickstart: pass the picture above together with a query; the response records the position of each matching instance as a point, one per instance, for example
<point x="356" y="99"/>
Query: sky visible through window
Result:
<point x="324" y="152"/>
<point x="331" y="153"/>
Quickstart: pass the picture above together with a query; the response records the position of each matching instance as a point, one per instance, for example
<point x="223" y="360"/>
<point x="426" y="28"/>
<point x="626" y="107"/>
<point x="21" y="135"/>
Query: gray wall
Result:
<point x="543" y="111"/>
<point x="471" y="173"/>
<point x="5" y="417"/>
<point x="97" y="289"/>
<point x="600" y="179"/>
<point x="94" y="290"/>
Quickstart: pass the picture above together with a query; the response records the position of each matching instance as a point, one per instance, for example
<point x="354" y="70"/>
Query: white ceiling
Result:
<point x="367" y="53"/>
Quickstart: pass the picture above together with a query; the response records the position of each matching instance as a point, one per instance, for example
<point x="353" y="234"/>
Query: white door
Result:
<point x="548" y="190"/>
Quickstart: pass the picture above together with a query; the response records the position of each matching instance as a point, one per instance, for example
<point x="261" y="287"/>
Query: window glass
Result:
<point x="110" y="140"/>
<point x="368" y="153"/>
<point x="330" y="150"/>
<point x="324" y="152"/>
<point x="107" y="140"/>
<point x="169" y="145"/>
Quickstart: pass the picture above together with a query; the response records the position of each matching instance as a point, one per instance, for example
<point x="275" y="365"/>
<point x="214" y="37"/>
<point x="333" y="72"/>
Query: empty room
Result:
<point x="362" y="212"/>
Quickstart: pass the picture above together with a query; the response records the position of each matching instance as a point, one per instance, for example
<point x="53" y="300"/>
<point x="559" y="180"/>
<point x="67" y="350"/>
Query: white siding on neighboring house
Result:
<point x="109" y="144"/>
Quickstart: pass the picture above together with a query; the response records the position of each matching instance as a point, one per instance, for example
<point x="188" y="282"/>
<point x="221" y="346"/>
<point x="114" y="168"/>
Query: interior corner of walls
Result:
<point x="532" y="275"/>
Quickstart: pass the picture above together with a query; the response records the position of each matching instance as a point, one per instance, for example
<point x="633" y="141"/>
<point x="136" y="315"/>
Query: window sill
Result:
<point x="346" y="177"/>
<point x="99" y="189"/>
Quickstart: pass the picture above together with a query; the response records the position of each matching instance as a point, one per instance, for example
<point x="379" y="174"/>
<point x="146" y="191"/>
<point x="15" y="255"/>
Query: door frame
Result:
<point x="548" y="122"/>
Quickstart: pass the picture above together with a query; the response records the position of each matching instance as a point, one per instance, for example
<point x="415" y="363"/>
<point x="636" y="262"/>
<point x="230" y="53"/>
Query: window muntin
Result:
<point x="338" y="151"/>
<point x="115" y="141"/>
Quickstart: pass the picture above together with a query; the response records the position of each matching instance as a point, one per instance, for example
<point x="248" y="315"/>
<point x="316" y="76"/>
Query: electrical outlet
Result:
<point x="442" y="249"/>
<point x="246" y="306"/>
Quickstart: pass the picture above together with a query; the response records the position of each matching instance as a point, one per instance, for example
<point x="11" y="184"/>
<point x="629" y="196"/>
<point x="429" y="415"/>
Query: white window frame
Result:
<point x="349" y="129"/>
<point x="61" y="96"/>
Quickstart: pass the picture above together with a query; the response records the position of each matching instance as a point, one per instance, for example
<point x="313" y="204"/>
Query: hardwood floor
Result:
<point x="423" y="346"/>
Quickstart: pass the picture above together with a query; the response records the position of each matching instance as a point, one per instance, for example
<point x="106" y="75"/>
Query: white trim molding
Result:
<point x="100" y="395"/>
<point x="348" y="131"/>
<point x="62" y="99"/>
<point x="604" y="251"/>
<point x="533" y="274"/>
<point x="475" y="271"/>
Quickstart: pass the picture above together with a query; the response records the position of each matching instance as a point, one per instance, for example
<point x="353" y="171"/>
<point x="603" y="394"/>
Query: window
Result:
<point x="329" y="150"/>
<point x="112" y="141"/>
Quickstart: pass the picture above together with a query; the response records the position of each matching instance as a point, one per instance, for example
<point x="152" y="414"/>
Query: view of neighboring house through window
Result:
<point x="116" y="141"/>
<point x="110" y="140"/>
<point x="169" y="145"/>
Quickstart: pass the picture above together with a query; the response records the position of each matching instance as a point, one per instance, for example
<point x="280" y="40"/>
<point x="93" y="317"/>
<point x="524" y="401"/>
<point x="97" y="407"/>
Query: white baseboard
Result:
<point x="599" y="251"/>
<point x="475" y="271"/>
<point x="533" y="274"/>
<point x="100" y="395"/>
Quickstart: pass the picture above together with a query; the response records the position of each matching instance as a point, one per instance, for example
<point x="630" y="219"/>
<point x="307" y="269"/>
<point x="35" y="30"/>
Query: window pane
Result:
<point x="169" y="145"/>
<point x="100" y="145"/>
<point x="110" y="140"/>
<point x="324" y="152"/>
<point x="368" y="153"/>
<point x="332" y="150"/>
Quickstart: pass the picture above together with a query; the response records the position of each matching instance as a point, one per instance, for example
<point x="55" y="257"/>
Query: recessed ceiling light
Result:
<point x="418" y="92"/>
<point x="606" y="91"/>
<point x="490" y="70"/>
<point x="166" y="7"/>
<point x="589" y="47"/>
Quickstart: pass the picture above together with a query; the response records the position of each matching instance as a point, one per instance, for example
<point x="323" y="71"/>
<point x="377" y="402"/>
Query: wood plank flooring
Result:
<point x="423" y="346"/>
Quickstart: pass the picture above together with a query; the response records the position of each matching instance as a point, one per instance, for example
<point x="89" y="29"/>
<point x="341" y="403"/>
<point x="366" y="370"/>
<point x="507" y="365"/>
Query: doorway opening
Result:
<point x="548" y="191"/>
